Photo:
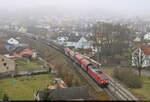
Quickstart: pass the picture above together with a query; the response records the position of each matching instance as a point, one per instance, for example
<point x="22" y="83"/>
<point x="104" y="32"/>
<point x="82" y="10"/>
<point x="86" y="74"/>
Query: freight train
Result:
<point x="100" y="77"/>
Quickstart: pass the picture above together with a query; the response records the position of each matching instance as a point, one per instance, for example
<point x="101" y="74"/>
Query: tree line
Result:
<point x="110" y="39"/>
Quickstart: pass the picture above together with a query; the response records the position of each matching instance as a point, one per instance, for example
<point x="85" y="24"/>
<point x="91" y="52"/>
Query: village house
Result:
<point x="9" y="56"/>
<point x="78" y="42"/>
<point x="147" y="36"/>
<point x="21" y="52"/>
<point x="13" y="41"/>
<point x="6" y="65"/>
<point x="137" y="39"/>
<point x="61" y="40"/>
<point x="12" y="44"/>
<point x="143" y="54"/>
<point x="70" y="93"/>
<point x="22" y="29"/>
<point x="60" y="83"/>
<point x="10" y="47"/>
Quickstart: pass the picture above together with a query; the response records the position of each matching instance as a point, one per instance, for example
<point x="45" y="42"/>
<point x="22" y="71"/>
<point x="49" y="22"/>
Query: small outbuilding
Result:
<point x="71" y="93"/>
<point x="13" y="41"/>
<point x="6" y="65"/>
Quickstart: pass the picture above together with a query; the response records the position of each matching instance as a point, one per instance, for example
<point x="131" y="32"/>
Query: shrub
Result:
<point x="47" y="95"/>
<point x="149" y="78"/>
<point x="115" y="73"/>
<point x="5" y="97"/>
<point x="128" y="78"/>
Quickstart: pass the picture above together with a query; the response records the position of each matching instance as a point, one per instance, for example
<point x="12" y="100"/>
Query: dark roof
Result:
<point x="11" y="47"/>
<point x="74" y="38"/>
<point x="66" y="93"/>
<point x="19" y="49"/>
<point x="77" y="38"/>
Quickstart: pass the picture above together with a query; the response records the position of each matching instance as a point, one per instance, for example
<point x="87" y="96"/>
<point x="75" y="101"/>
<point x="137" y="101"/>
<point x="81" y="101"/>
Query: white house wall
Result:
<point x="71" y="44"/>
<point x="13" y="41"/>
<point x="146" y="62"/>
<point x="78" y="45"/>
<point x="147" y="36"/>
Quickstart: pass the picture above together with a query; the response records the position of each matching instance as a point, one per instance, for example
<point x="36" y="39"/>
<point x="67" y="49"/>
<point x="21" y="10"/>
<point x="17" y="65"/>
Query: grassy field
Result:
<point x="26" y="66"/>
<point x="25" y="87"/>
<point x="142" y="93"/>
<point x="61" y="62"/>
<point x="58" y="61"/>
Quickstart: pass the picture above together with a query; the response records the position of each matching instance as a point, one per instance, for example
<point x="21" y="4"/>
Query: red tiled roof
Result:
<point x="26" y="51"/>
<point x="145" y="49"/>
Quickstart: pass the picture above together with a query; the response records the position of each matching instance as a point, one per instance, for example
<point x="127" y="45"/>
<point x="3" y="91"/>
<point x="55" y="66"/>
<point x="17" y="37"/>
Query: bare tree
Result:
<point x="16" y="70"/>
<point x="96" y="40"/>
<point x="138" y="58"/>
<point x="109" y="39"/>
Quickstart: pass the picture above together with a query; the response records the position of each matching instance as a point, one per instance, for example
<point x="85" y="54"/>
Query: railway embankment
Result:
<point x="141" y="93"/>
<point x="65" y="70"/>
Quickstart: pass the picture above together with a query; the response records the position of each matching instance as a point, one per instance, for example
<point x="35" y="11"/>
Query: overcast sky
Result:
<point x="122" y="6"/>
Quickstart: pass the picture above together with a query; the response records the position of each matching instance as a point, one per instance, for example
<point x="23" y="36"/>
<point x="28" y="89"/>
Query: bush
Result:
<point x="5" y="97"/>
<point x="1" y="94"/>
<point x="116" y="73"/>
<point x="149" y="78"/>
<point x="128" y="78"/>
<point x="47" y="95"/>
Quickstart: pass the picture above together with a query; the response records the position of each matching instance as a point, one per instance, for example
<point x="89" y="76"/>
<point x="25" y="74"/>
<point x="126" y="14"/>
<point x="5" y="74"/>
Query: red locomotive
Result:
<point x="96" y="74"/>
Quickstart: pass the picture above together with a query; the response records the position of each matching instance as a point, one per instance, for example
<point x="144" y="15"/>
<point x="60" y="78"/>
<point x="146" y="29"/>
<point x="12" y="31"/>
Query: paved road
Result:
<point x="144" y="72"/>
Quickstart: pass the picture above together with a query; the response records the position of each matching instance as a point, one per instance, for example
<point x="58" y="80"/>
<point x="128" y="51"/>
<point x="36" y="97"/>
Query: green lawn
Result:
<point x="142" y="93"/>
<point x="25" y="87"/>
<point x="26" y="66"/>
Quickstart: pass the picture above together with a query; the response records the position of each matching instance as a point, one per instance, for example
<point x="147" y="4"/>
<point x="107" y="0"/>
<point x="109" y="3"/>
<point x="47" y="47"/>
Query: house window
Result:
<point x="5" y="64"/>
<point x="7" y="68"/>
<point x="2" y="59"/>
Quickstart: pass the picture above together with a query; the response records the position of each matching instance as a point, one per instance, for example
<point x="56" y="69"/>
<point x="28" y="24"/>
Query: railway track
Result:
<point x="114" y="90"/>
<point x="82" y="72"/>
<point x="115" y="87"/>
<point x="90" y="80"/>
<point x="86" y="77"/>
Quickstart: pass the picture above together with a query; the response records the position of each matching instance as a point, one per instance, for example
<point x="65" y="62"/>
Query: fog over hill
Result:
<point x="76" y="7"/>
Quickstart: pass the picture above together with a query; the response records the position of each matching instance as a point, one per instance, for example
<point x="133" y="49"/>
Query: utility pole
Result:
<point x="82" y="48"/>
<point x="97" y="50"/>
<point x="97" y="42"/>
